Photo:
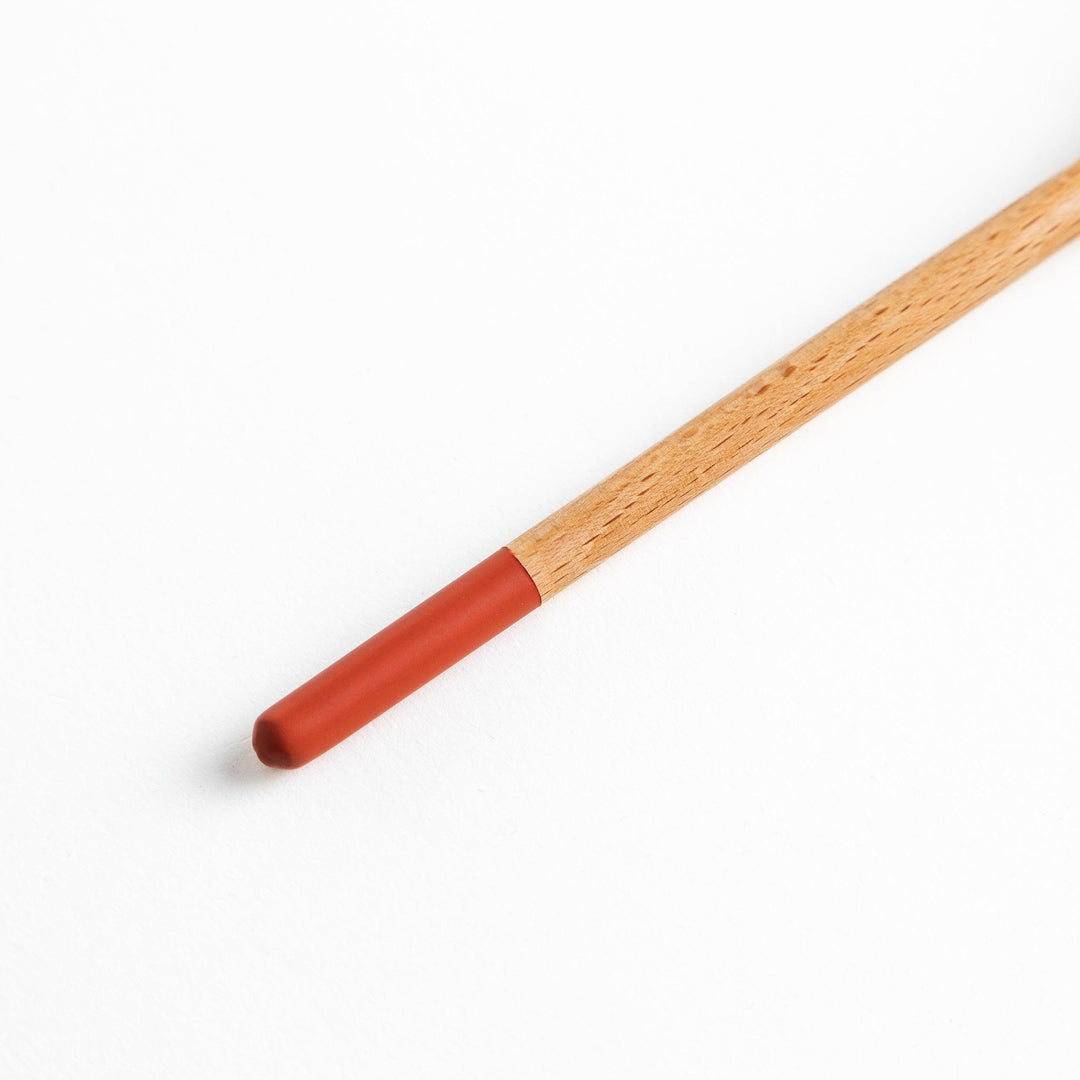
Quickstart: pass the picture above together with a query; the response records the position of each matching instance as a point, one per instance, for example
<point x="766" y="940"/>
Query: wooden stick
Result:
<point x="573" y="540"/>
<point x="783" y="397"/>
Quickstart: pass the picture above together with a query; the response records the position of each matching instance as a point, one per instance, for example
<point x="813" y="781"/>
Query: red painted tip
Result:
<point x="398" y="660"/>
<point x="271" y="744"/>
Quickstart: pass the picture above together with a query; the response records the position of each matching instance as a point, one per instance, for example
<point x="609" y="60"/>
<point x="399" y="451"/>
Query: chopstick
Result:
<point x="573" y="540"/>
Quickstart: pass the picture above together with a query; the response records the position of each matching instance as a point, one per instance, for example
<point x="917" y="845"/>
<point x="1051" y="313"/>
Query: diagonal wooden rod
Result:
<point x="783" y="397"/>
<point x="516" y="579"/>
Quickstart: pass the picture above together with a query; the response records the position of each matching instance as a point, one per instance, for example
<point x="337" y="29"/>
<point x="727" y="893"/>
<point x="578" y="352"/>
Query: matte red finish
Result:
<point x="395" y="662"/>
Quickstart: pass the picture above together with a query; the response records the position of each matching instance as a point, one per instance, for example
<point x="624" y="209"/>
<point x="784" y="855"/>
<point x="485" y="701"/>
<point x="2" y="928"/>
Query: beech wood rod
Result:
<point x="551" y="555"/>
<point x="783" y="397"/>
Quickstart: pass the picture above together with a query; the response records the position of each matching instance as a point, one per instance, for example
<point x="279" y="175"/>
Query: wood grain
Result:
<point x="783" y="397"/>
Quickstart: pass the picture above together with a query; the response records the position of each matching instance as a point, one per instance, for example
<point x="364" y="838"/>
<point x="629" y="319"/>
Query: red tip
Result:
<point x="271" y="744"/>
<point x="398" y="660"/>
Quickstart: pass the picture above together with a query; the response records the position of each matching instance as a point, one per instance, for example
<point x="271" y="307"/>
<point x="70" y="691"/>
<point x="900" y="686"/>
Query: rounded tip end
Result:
<point x="271" y="747"/>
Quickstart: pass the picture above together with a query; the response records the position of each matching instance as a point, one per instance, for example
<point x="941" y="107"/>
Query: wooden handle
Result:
<point x="783" y="397"/>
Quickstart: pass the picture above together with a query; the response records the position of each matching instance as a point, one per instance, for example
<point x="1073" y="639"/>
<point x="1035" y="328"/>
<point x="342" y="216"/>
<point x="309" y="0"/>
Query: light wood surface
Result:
<point x="783" y="397"/>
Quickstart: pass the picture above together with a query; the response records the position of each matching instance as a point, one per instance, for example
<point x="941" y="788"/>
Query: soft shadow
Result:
<point x="235" y="766"/>
<point x="239" y="765"/>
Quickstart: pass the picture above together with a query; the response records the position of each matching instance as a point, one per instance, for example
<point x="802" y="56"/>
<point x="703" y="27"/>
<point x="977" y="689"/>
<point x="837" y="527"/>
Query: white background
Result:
<point x="306" y="308"/>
